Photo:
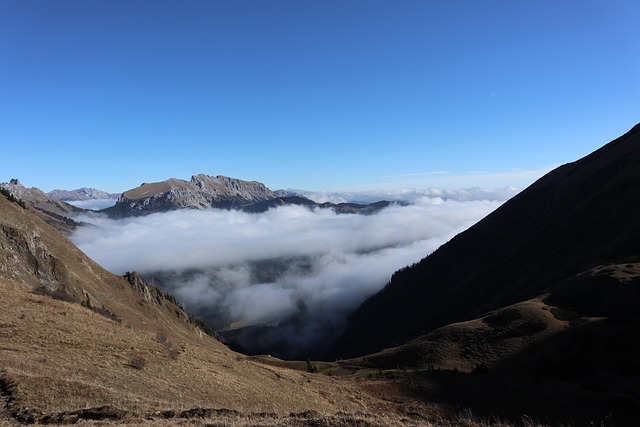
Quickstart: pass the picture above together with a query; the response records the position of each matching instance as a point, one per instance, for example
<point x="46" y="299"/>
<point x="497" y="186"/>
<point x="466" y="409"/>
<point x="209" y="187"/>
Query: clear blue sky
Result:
<point x="311" y="94"/>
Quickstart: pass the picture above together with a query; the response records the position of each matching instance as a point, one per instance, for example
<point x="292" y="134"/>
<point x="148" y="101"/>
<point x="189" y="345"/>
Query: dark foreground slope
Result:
<point x="577" y="217"/>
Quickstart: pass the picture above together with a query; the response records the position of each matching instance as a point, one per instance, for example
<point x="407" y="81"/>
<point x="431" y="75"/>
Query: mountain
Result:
<point x="205" y="191"/>
<point x="341" y="208"/>
<point x="81" y="194"/>
<point x="577" y="217"/>
<point x="78" y="343"/>
<point x="53" y="211"/>
<point x="201" y="192"/>
<point x="535" y="309"/>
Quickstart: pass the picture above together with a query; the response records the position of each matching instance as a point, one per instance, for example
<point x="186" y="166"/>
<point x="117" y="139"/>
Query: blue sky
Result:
<point x="311" y="94"/>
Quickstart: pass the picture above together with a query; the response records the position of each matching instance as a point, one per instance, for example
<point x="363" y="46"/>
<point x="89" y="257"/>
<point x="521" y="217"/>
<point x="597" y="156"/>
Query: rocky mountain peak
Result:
<point x="202" y="191"/>
<point x="83" y="193"/>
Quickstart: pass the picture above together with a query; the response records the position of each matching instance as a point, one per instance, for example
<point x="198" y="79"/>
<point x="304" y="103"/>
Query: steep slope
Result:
<point x="571" y="357"/>
<point x="201" y="192"/>
<point x="578" y="216"/>
<point x="53" y="211"/>
<point x="79" y="342"/>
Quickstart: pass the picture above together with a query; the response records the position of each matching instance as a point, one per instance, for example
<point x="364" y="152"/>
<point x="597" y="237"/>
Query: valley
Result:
<point x="525" y="312"/>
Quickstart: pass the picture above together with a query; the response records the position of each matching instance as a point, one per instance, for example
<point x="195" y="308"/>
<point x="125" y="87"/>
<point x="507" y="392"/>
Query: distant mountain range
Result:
<point x="81" y="194"/>
<point x="204" y="191"/>
<point x="201" y="192"/>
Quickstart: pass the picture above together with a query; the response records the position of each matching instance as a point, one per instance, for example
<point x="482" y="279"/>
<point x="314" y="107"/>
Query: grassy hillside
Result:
<point x="78" y="341"/>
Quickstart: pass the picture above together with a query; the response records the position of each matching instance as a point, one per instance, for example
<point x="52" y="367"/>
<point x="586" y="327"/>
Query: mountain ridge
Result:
<point x="56" y="213"/>
<point x="469" y="275"/>
<point x="202" y="191"/>
<point x="81" y="194"/>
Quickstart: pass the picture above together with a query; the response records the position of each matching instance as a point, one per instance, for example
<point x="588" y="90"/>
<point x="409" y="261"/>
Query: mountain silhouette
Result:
<point x="578" y="216"/>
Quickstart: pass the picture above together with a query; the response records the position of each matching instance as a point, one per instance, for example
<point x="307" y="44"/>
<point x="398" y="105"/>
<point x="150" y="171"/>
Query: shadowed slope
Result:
<point x="571" y="357"/>
<point x="578" y="216"/>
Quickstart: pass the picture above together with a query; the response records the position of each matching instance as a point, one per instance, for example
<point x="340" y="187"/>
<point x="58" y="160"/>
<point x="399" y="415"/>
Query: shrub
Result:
<point x="481" y="368"/>
<point x="138" y="362"/>
<point x="311" y="367"/>
<point x="103" y="311"/>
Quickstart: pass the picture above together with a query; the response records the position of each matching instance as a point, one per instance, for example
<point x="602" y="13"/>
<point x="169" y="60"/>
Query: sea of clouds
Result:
<point x="290" y="262"/>
<point x="93" y="204"/>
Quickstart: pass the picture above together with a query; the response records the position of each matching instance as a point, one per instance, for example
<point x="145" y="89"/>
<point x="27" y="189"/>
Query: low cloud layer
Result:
<point x="286" y="263"/>
<point x="414" y="195"/>
<point x="93" y="204"/>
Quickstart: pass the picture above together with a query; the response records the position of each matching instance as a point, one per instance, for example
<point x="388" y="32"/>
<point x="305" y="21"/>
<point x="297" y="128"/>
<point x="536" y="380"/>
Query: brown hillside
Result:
<point x="79" y="342"/>
<point x="53" y="211"/>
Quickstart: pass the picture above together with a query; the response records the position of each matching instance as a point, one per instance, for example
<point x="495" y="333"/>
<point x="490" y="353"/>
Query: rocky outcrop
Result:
<point x="53" y="211"/>
<point x="23" y="248"/>
<point x="201" y="192"/>
<point x="26" y="257"/>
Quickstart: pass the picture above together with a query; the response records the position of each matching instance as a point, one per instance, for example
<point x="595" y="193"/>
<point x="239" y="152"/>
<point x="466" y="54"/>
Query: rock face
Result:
<point x="201" y="192"/>
<point x="51" y="210"/>
<point x="83" y="193"/>
<point x="577" y="217"/>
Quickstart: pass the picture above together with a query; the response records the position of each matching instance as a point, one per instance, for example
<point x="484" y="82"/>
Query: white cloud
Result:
<point x="316" y="264"/>
<point x="411" y="195"/>
<point x="93" y="204"/>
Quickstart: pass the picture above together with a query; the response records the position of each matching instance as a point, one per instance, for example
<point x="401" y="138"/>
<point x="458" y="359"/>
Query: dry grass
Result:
<point x="66" y="357"/>
<point x="465" y="346"/>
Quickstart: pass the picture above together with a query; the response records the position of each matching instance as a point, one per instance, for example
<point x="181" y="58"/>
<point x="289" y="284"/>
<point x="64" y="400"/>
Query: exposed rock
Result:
<point x="83" y="193"/>
<point x="140" y="286"/>
<point x="201" y="192"/>
<point x="53" y="211"/>
<point x="24" y="248"/>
